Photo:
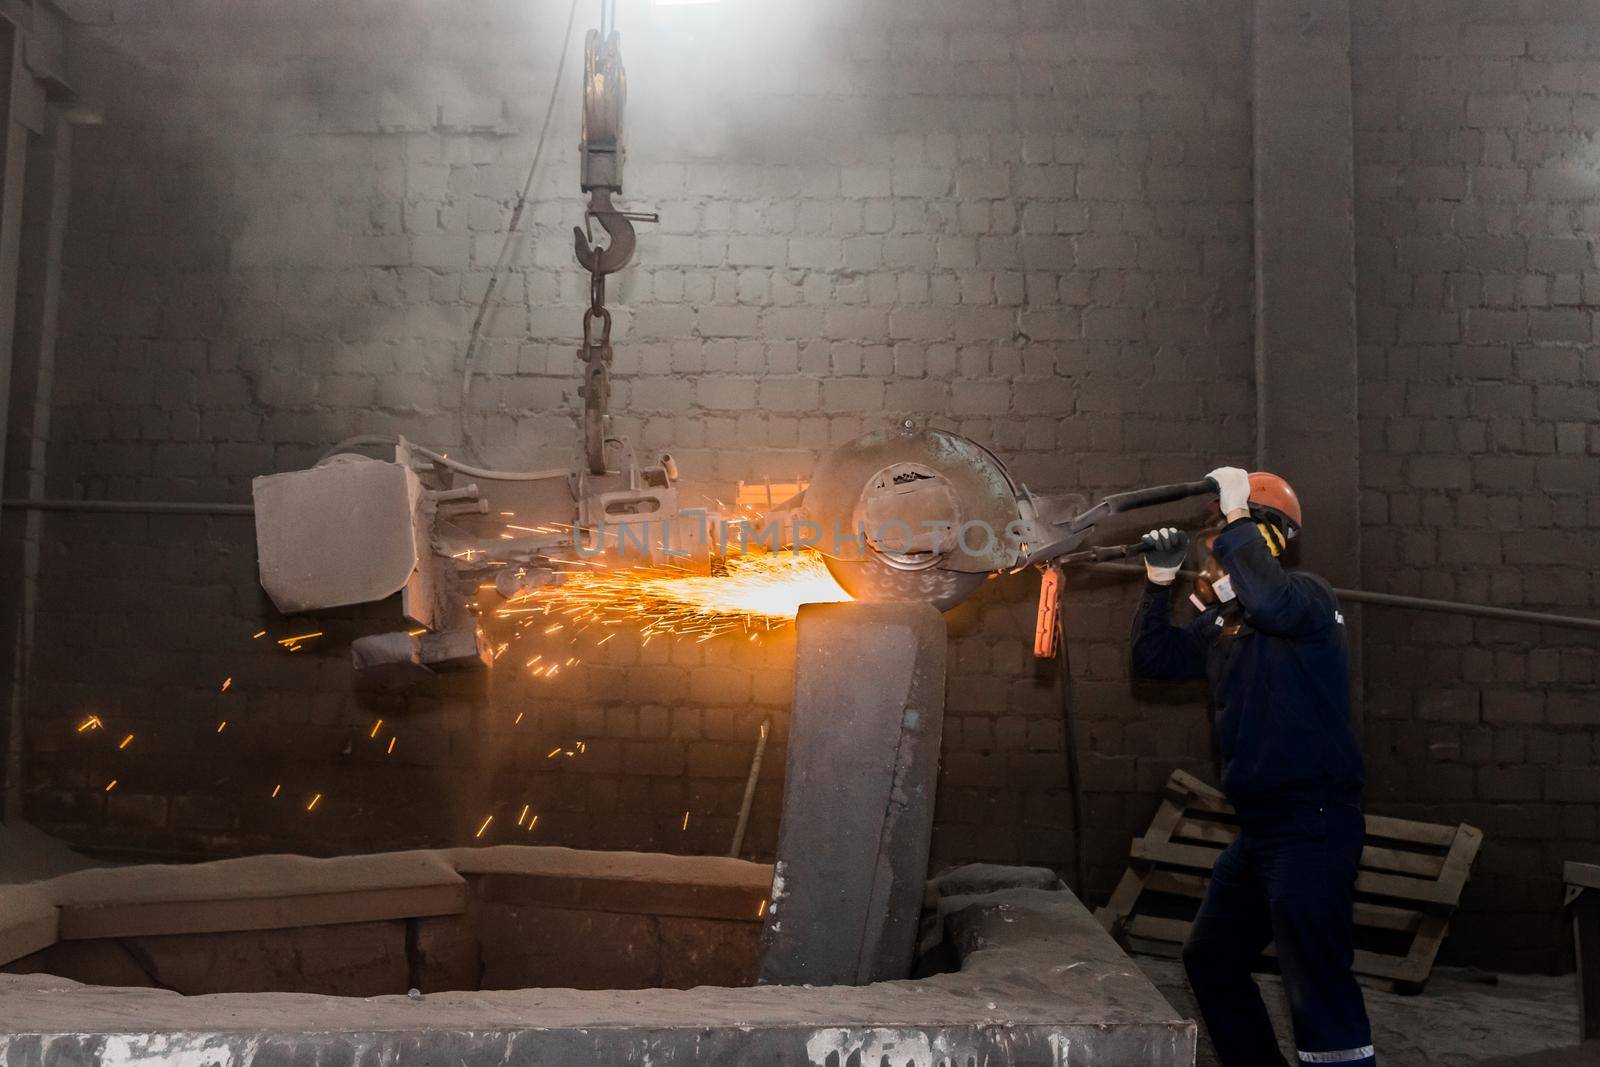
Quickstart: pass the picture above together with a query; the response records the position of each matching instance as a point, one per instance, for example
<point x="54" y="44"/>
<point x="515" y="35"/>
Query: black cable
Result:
<point x="511" y="232"/>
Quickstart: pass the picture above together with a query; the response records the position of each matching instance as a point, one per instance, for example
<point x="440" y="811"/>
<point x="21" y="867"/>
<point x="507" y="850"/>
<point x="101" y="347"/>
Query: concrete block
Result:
<point x="444" y="954"/>
<point x="975" y="878"/>
<point x="440" y="251"/>
<point x="353" y="959"/>
<point x="350" y="960"/>
<point x="107" y="963"/>
<point x="724" y="393"/>
<point x="254" y="893"/>
<point x="28" y="921"/>
<point x="532" y="945"/>
<point x="788" y="394"/>
<point x="708" y="952"/>
<point x="858" y="798"/>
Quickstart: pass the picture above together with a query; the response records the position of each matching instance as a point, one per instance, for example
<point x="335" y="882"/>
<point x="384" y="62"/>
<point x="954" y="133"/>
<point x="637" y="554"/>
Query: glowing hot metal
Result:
<point x="759" y="592"/>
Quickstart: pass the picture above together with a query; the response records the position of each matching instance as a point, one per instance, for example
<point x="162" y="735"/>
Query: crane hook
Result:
<point x="614" y="256"/>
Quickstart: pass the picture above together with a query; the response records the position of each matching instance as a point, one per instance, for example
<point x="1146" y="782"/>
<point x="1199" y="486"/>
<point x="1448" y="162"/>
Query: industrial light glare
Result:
<point x="681" y="3"/>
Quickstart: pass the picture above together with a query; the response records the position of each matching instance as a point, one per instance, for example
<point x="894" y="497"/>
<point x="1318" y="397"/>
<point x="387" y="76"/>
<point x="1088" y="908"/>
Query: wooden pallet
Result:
<point x="1408" y="885"/>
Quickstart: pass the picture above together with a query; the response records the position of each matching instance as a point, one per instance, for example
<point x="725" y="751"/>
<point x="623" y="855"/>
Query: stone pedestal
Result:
<point x="858" y="795"/>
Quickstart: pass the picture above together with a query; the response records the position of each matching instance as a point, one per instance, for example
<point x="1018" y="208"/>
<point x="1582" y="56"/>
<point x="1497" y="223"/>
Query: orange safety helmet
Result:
<point x="1272" y="499"/>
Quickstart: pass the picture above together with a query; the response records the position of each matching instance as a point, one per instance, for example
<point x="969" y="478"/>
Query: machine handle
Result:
<point x="1158" y="494"/>
<point x="1140" y="498"/>
<point x="1102" y="553"/>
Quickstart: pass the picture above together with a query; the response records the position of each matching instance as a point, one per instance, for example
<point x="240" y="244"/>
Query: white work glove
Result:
<point x="1233" y="488"/>
<point x="1164" y="552"/>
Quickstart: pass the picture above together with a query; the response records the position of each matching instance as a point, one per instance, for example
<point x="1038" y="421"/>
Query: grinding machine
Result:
<point x="906" y="513"/>
<point x="914" y="513"/>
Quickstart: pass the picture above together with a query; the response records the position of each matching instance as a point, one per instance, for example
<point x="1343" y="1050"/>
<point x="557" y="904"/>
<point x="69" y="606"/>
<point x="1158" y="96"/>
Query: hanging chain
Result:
<point x="596" y="347"/>
<point x="596" y="355"/>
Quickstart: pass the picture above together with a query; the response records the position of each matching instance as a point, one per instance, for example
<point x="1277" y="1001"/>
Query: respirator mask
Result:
<point x="1213" y="587"/>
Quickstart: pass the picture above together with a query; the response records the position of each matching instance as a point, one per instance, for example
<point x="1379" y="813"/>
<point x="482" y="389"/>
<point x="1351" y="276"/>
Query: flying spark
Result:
<point x="314" y="802"/>
<point x="91" y="723"/>
<point x="758" y="593"/>
<point x="484" y="827"/>
<point x="226" y="682"/>
<point x="126" y="741"/>
<point x="111" y="785"/>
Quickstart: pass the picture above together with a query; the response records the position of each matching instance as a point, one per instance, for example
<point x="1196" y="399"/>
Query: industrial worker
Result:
<point x="1271" y="644"/>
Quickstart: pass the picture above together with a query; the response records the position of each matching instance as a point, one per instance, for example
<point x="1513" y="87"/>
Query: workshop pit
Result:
<point x="569" y="957"/>
<point x="505" y="917"/>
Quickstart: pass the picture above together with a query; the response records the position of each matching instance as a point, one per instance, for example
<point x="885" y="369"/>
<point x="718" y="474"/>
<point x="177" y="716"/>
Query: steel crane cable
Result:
<point x="512" y="227"/>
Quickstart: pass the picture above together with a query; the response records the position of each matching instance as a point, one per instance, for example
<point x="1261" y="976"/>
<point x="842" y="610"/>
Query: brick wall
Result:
<point x="1028" y="222"/>
<point x="1478" y="204"/>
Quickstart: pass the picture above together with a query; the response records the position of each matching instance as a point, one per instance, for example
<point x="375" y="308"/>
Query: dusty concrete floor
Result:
<point x="1459" y="1018"/>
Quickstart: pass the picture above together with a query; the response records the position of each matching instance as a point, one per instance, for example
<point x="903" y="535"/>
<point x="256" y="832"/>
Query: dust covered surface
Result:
<point x="1040" y="982"/>
<point x="621" y="866"/>
<point x="251" y="877"/>
<point x="1461" y="1017"/>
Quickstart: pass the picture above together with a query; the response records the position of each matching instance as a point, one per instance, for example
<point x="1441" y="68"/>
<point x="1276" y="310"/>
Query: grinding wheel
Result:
<point x="874" y="580"/>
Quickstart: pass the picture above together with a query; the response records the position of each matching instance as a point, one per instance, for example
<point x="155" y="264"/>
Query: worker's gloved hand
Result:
<point x="1164" y="552"/>
<point x="1233" y="488"/>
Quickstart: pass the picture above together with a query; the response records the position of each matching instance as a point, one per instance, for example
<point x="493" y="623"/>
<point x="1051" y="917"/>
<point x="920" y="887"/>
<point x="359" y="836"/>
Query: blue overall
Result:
<point x="1291" y="766"/>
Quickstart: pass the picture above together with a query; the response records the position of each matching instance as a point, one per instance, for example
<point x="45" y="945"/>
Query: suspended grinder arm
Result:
<point x="1065" y="536"/>
<point x="921" y="513"/>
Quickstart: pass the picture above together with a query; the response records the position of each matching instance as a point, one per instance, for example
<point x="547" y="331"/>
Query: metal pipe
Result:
<point x="1454" y="607"/>
<point x="1414" y="603"/>
<point x="750" y="790"/>
<point x="127" y="507"/>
